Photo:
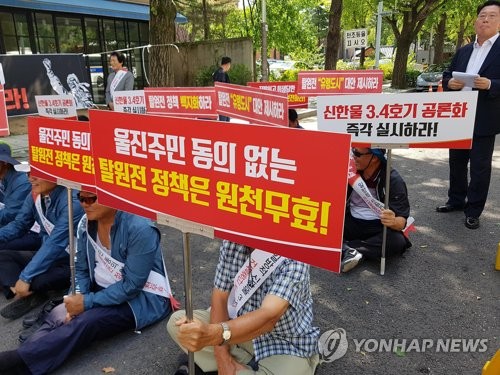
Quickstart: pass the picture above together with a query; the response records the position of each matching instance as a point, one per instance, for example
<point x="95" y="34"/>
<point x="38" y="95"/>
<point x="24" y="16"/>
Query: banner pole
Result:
<point x="71" y="240"/>
<point x="188" y="290"/>
<point x="386" y="206"/>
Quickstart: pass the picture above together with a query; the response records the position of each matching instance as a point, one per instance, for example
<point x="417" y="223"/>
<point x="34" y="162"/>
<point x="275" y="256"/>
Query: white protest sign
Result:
<point x="356" y="38"/>
<point x="132" y="101"/>
<point x="56" y="106"/>
<point x="434" y="120"/>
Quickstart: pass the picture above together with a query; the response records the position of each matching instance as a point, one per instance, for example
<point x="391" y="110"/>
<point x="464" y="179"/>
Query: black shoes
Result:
<point x="472" y="222"/>
<point x="33" y="322"/>
<point x="448" y="208"/>
<point x="21" y="306"/>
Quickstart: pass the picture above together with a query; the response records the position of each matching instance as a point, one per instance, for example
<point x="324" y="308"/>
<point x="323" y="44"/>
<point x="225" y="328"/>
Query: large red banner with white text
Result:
<point x="251" y="104"/>
<point x="289" y="88"/>
<point x="60" y="151"/>
<point x="4" y="121"/>
<point x="331" y="82"/>
<point x="181" y="101"/>
<point x="257" y="185"/>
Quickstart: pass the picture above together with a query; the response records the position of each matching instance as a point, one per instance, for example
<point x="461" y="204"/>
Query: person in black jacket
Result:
<point x="220" y="75"/>
<point x="480" y="57"/>
<point x="363" y="227"/>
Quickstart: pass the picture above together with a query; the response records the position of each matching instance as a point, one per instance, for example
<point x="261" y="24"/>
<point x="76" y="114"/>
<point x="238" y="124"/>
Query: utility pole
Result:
<point x="380" y="14"/>
<point x="263" y="58"/>
<point x="379" y="33"/>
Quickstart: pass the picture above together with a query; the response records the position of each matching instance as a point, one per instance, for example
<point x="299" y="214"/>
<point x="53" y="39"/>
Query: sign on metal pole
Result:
<point x="356" y="38"/>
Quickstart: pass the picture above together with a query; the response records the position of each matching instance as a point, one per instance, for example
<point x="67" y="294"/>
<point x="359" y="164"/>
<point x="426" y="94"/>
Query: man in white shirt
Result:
<point x="481" y="57"/>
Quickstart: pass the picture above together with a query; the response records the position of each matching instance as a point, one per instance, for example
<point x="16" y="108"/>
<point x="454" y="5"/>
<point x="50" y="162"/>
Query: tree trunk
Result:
<point x="333" y="38"/>
<point x="206" y="26"/>
<point x="439" y="41"/>
<point x="460" y="35"/>
<point x="401" y="61"/>
<point x="161" y="33"/>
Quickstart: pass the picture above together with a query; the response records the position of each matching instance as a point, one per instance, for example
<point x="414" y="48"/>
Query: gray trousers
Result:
<point x="243" y="353"/>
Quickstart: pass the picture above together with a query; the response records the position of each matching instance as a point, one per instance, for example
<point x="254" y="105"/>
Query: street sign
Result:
<point x="356" y="38"/>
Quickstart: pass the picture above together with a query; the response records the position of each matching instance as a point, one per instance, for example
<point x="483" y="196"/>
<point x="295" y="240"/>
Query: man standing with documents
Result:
<point x="482" y="58"/>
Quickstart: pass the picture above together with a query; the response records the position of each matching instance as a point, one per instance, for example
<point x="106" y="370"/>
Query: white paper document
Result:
<point x="466" y="78"/>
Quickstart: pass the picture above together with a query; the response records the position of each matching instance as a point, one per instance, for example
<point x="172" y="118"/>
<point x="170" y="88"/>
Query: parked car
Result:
<point x="430" y="77"/>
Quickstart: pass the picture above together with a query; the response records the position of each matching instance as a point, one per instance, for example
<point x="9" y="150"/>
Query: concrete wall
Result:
<point x="196" y="55"/>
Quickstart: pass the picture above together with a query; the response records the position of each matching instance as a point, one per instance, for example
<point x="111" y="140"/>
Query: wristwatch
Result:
<point x="226" y="333"/>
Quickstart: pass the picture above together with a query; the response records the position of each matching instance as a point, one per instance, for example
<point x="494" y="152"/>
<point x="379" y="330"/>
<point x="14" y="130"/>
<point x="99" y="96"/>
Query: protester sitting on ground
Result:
<point x="363" y="226"/>
<point x="30" y="275"/>
<point x="269" y="330"/>
<point x="293" y="119"/>
<point x="121" y="285"/>
<point x="15" y="188"/>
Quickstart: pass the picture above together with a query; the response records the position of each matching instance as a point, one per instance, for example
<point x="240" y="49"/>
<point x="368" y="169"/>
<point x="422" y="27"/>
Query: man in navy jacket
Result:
<point x="483" y="58"/>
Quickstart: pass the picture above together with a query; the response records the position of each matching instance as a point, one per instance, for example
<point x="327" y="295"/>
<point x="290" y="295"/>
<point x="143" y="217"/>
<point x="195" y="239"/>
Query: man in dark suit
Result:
<point x="483" y="58"/>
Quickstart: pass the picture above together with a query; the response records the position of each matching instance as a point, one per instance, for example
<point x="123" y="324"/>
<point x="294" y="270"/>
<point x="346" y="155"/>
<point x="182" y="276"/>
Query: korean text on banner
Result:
<point x="434" y="120"/>
<point x="130" y="101"/>
<point x="4" y="121"/>
<point x="331" y="82"/>
<point x="251" y="104"/>
<point x="257" y="185"/>
<point x="56" y="106"/>
<point x="60" y="151"/>
<point x="181" y="101"/>
<point x="289" y="88"/>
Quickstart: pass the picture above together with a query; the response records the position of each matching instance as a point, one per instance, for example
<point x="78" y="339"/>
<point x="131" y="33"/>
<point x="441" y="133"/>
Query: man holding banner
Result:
<point x="260" y="321"/>
<point x="121" y="284"/>
<point x="29" y="275"/>
<point x="365" y="216"/>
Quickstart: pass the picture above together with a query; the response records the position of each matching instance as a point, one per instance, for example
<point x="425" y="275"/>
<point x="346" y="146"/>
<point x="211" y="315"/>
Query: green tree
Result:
<point x="406" y="21"/>
<point x="207" y="18"/>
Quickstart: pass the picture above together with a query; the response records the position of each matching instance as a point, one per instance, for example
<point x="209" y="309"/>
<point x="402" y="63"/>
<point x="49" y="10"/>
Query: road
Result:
<point x="443" y="288"/>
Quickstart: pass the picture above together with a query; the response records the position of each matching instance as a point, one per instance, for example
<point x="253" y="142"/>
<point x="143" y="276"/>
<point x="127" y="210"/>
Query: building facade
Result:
<point x="90" y="27"/>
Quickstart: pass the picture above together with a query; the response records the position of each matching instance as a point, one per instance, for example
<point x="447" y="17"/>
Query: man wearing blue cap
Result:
<point x="363" y="226"/>
<point x="14" y="188"/>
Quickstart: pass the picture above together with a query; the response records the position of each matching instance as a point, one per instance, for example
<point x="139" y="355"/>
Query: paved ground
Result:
<point x="444" y="287"/>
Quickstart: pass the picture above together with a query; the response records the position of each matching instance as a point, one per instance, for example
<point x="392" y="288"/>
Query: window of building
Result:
<point x="22" y="34"/>
<point x="70" y="34"/>
<point x="46" y="39"/>
<point x="8" y="33"/>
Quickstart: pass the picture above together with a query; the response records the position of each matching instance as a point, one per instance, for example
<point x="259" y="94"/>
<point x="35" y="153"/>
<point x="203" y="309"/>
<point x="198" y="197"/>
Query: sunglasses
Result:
<point x="87" y="200"/>
<point x="359" y="154"/>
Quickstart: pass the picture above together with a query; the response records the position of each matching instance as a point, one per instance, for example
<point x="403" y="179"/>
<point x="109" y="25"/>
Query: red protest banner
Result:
<point x="251" y="104"/>
<point x="182" y="102"/>
<point x="331" y="82"/>
<point x="4" y="121"/>
<point x="257" y="185"/>
<point x="60" y="150"/>
<point x="289" y="88"/>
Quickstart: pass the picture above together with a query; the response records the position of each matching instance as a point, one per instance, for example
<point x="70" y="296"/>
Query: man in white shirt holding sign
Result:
<point x="260" y="321"/>
<point x="478" y="58"/>
<point x="118" y="80"/>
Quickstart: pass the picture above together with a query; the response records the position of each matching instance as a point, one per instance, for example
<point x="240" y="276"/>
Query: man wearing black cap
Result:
<point x="14" y="188"/>
<point x="363" y="226"/>
<point x="220" y="75"/>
